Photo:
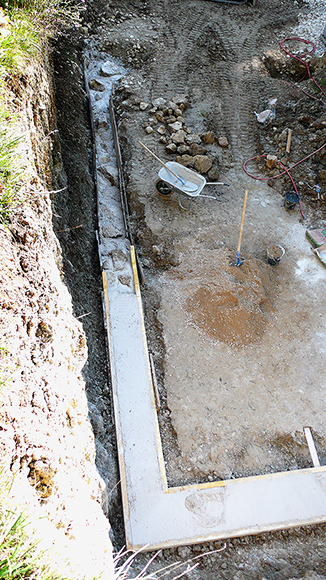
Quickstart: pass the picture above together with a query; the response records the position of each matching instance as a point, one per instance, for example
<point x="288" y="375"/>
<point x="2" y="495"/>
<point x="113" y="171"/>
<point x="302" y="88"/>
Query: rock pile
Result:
<point x="191" y="149"/>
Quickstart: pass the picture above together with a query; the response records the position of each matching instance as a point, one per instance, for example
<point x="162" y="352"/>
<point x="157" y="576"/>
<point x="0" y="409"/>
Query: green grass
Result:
<point x="10" y="167"/>
<point x="20" y="557"/>
<point x="49" y="17"/>
<point x="17" y="550"/>
<point x="28" y="24"/>
<point x="18" y="45"/>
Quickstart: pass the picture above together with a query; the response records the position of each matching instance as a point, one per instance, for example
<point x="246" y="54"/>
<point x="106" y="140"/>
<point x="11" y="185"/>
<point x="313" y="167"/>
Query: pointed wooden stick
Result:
<point x="288" y="144"/>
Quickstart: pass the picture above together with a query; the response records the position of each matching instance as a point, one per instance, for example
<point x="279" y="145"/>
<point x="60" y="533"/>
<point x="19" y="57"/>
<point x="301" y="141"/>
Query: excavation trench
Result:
<point x="238" y="352"/>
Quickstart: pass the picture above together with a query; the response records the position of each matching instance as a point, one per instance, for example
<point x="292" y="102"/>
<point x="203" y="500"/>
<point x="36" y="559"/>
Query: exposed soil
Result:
<point x="233" y="305"/>
<point x="238" y="350"/>
<point x="75" y="223"/>
<point x="47" y="447"/>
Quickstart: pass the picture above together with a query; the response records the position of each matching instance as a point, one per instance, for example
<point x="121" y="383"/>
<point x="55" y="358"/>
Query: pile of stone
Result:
<point x="191" y="149"/>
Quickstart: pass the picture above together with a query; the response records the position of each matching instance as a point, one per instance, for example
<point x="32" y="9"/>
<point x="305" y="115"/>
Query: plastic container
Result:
<point x="291" y="199"/>
<point x="275" y="254"/>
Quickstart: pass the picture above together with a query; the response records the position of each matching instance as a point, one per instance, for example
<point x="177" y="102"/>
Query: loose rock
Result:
<point x="186" y="160"/>
<point x="214" y="174"/>
<point x="182" y="101"/>
<point x="178" y="137"/>
<point x="172" y="105"/>
<point x="182" y="149"/>
<point x="174" y="127"/>
<point x="202" y="163"/>
<point x="149" y="129"/>
<point x="193" y="138"/>
<point x="197" y="149"/>
<point x="223" y="142"/>
<point x="160" y="117"/>
<point x="208" y="137"/>
<point x="171" y="148"/>
<point x="95" y="85"/>
<point x="159" y="103"/>
<point x="108" y="69"/>
<point x="143" y="106"/>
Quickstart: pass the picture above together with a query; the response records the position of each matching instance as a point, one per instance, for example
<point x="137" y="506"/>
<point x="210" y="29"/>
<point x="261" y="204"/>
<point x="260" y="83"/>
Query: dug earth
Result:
<point x="227" y="342"/>
<point x="47" y="446"/>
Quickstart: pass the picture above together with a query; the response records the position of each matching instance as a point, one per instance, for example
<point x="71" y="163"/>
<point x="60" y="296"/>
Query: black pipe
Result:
<point x="122" y="188"/>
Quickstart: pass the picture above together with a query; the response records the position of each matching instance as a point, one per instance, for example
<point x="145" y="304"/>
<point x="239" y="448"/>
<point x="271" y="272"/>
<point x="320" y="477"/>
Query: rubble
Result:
<point x="223" y="142"/>
<point x="202" y="163"/>
<point x="208" y="137"/>
<point x="190" y="146"/>
<point x="96" y="85"/>
<point x="171" y="148"/>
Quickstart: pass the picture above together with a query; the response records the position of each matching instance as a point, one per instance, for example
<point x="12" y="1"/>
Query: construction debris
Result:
<point x="318" y="240"/>
<point x="269" y="113"/>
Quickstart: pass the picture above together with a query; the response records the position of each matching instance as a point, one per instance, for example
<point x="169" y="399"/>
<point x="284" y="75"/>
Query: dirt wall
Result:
<point x="46" y="440"/>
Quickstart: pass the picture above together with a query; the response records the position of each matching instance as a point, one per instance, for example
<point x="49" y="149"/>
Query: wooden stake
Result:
<point x="311" y="445"/>
<point x="157" y="395"/>
<point x="288" y="144"/>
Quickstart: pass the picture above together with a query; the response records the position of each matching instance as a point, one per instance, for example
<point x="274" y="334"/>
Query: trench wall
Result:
<point x="46" y="440"/>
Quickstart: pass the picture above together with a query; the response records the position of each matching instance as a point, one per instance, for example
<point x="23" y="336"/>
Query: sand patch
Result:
<point x="234" y="304"/>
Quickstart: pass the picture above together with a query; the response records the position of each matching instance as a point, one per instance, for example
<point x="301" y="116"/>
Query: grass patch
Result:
<point x="10" y="167"/>
<point x="18" y="551"/>
<point x="20" y="557"/>
<point x="24" y="27"/>
<point x="18" y="43"/>
<point x="49" y="17"/>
